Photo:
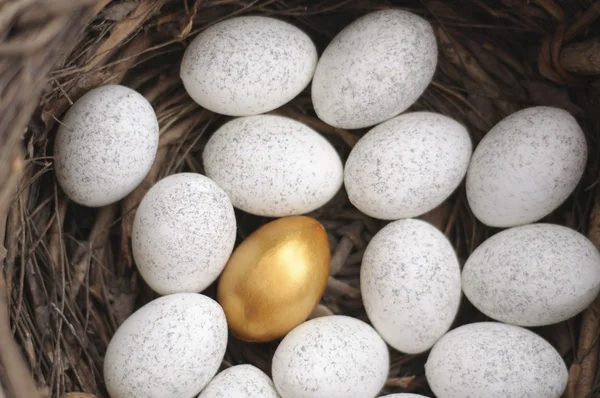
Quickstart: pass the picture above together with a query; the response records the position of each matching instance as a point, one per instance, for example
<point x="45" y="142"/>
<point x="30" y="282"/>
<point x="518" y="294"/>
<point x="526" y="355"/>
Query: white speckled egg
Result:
<point x="331" y="357"/>
<point x="407" y="166"/>
<point x="495" y="360"/>
<point x="525" y="167"/>
<point x="374" y="69"/>
<point x="241" y="381"/>
<point x="105" y="145"/>
<point x="248" y="65"/>
<point x="410" y="284"/>
<point x="273" y="166"/>
<point x="183" y="233"/>
<point x="171" y="347"/>
<point x="533" y="275"/>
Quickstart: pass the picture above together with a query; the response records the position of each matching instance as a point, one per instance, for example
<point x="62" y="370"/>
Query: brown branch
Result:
<point x="319" y="311"/>
<point x="402" y="382"/>
<point x="123" y="30"/>
<point x="551" y="8"/>
<point x="582" y="58"/>
<point x="318" y="125"/>
<point x="337" y="287"/>
<point x="96" y="241"/>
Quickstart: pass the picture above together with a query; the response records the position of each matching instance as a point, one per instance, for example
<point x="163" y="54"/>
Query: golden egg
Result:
<point x="275" y="278"/>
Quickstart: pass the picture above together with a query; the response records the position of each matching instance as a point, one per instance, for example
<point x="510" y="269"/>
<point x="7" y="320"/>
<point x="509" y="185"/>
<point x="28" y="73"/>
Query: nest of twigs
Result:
<point x="69" y="278"/>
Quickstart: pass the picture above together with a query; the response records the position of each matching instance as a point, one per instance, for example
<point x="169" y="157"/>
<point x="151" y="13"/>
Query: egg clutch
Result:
<point x="528" y="274"/>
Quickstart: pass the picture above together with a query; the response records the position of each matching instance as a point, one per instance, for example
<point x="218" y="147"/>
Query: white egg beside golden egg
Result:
<point x="374" y="69"/>
<point x="240" y="381"/>
<point x="183" y="233"/>
<point x="273" y="166"/>
<point x="526" y="166"/>
<point x="248" y="65"/>
<point x="410" y="284"/>
<point x="407" y="166"/>
<point x="171" y="347"/>
<point x="331" y="357"/>
<point x="105" y="145"/>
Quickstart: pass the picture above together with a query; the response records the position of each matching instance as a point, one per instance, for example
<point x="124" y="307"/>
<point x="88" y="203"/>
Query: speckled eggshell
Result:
<point x="525" y="167"/>
<point x="533" y="275"/>
<point x="410" y="284"/>
<point x="374" y="69"/>
<point x="273" y="166"/>
<point x="105" y="145"/>
<point x="248" y="65"/>
<point x="241" y="381"/>
<point x="183" y="233"/>
<point x="495" y="360"/>
<point x="171" y="347"/>
<point x="403" y="395"/>
<point x="407" y="166"/>
<point x="331" y="357"/>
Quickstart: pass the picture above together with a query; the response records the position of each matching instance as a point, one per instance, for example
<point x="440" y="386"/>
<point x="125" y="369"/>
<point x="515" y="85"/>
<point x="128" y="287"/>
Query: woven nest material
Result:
<point x="69" y="278"/>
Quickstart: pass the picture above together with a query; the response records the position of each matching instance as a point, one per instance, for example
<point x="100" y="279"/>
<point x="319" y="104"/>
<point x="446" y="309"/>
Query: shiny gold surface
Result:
<point x="275" y="278"/>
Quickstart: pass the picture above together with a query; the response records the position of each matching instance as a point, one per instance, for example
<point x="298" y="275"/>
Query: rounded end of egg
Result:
<point x="315" y="352"/>
<point x="308" y="174"/>
<point x="476" y="360"/>
<point x="240" y="381"/>
<point x="358" y="83"/>
<point x="183" y="233"/>
<point x="248" y="65"/>
<point x="408" y="165"/>
<point x="181" y="363"/>
<point x="105" y="145"/>
<point x="503" y="277"/>
<point x="417" y="301"/>
<point x="525" y="167"/>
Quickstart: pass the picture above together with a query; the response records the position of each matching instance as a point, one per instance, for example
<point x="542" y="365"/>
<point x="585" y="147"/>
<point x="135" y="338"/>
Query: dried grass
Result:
<point x="69" y="277"/>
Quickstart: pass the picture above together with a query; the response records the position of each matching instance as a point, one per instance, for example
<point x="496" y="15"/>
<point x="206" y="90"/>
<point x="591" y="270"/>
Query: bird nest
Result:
<point x="69" y="279"/>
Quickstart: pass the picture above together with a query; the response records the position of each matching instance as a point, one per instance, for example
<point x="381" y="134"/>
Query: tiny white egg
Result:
<point x="495" y="360"/>
<point x="533" y="275"/>
<point x="183" y="234"/>
<point x="410" y="284"/>
<point x="105" y="145"/>
<point x="407" y="166"/>
<point x="171" y="347"/>
<point x="331" y="357"/>
<point x="525" y="167"/>
<point x="248" y="65"/>
<point x="241" y="381"/>
<point x="374" y="69"/>
<point x="273" y="166"/>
